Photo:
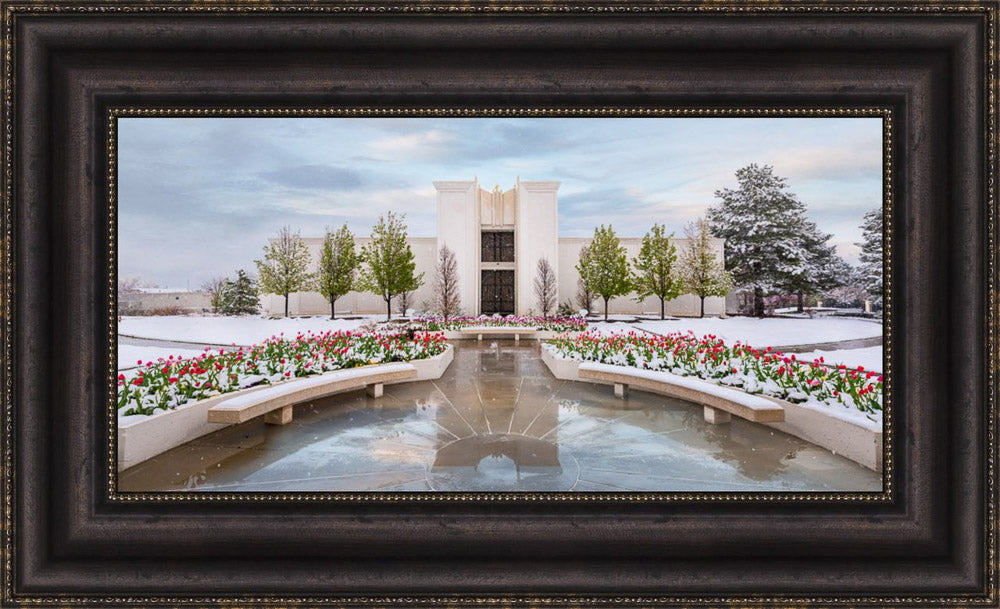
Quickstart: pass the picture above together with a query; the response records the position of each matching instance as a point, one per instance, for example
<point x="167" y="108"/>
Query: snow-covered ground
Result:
<point x="869" y="357"/>
<point x="769" y="332"/>
<point x="244" y="330"/>
<point x="129" y="355"/>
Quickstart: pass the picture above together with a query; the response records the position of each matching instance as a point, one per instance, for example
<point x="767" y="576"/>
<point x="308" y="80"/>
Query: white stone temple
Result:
<point x="498" y="238"/>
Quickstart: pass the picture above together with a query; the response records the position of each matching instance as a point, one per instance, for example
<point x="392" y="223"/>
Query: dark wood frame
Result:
<point x="68" y="539"/>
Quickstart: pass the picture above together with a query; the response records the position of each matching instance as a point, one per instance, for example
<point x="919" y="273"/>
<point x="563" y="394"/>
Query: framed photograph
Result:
<point x="423" y="381"/>
<point x="651" y="304"/>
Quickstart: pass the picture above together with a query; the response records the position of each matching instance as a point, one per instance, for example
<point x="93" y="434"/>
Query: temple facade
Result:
<point x="498" y="238"/>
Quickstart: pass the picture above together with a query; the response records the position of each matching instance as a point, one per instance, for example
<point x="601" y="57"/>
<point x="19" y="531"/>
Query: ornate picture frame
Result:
<point x="70" y="71"/>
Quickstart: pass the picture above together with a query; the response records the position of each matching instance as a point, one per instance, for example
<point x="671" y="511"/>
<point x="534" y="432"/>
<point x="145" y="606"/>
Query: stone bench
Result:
<point x="275" y="403"/>
<point x="480" y="331"/>
<point x="719" y="402"/>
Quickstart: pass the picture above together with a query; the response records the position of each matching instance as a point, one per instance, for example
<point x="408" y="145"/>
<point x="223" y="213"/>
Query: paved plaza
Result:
<point x="498" y="421"/>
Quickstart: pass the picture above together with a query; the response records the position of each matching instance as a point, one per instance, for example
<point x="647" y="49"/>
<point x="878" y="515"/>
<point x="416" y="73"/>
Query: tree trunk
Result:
<point x="606" y="308"/>
<point x="286" y="305"/>
<point x="702" y="307"/>
<point x="663" y="309"/>
<point x="758" y="302"/>
<point x="799" y="308"/>
<point x="388" y="308"/>
<point x="333" y="309"/>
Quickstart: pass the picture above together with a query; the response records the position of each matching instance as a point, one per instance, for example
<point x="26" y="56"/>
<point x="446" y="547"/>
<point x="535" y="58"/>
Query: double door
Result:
<point x="497" y="293"/>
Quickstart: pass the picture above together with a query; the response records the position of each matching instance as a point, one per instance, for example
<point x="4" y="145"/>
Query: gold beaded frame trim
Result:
<point x="988" y="10"/>
<point x="885" y="114"/>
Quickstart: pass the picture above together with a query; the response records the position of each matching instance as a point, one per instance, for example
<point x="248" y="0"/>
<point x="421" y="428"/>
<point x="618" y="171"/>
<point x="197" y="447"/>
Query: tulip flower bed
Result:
<point x="166" y="384"/>
<point x="739" y="365"/>
<point x="554" y="324"/>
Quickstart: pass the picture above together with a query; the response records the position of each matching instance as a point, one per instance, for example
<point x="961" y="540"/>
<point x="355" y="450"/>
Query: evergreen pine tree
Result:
<point x="389" y="265"/>
<point x="606" y="269"/>
<point x="655" y="272"/>
<point x="871" y="255"/>
<point x="284" y="268"/>
<point x="822" y="268"/>
<point x="338" y="263"/>
<point x="759" y="221"/>
<point x="240" y="297"/>
<point x="701" y="271"/>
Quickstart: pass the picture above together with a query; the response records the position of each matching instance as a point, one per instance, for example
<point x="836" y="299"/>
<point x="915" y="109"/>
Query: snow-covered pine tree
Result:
<point x="822" y="270"/>
<point x="338" y="262"/>
<point x="871" y="255"/>
<point x="655" y="274"/>
<point x="606" y="271"/>
<point x="389" y="264"/>
<point x="851" y="292"/>
<point x="760" y="221"/>
<point x="701" y="272"/>
<point x="240" y="297"/>
<point x="284" y="269"/>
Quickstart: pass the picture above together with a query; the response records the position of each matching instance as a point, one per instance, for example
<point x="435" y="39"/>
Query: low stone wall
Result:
<point x="860" y="444"/>
<point x="534" y="335"/>
<point x="141" y="438"/>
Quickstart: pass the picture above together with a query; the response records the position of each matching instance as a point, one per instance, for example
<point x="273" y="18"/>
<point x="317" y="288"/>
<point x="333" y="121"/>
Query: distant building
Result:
<point x="163" y="301"/>
<point x="498" y="238"/>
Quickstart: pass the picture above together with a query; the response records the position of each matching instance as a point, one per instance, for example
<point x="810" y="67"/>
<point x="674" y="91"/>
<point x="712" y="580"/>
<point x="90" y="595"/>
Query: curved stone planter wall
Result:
<point x="141" y="438"/>
<point x="859" y="443"/>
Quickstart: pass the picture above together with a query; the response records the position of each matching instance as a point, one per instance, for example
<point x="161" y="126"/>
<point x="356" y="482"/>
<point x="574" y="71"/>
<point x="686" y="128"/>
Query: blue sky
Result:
<point x="198" y="197"/>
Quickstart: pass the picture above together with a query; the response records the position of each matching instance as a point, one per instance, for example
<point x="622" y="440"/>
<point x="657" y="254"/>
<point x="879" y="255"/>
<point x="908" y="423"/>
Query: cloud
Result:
<point x="862" y="163"/>
<point x="200" y="197"/>
<point x="314" y="177"/>
<point x="411" y="145"/>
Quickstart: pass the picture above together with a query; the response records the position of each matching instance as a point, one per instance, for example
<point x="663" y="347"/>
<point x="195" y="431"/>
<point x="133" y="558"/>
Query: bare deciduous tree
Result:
<point x="128" y="295"/>
<point x="216" y="287"/>
<point x="404" y="300"/>
<point x="446" y="296"/>
<point x="584" y="295"/>
<point x="545" y="287"/>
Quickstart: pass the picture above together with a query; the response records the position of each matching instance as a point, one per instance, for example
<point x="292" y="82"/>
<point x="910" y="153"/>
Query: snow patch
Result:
<point x="289" y="387"/>
<point x="221" y="330"/>
<point x="769" y="332"/>
<point x="732" y="395"/>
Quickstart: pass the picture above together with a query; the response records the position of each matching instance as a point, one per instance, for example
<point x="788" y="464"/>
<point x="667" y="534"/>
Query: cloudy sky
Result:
<point x="199" y="197"/>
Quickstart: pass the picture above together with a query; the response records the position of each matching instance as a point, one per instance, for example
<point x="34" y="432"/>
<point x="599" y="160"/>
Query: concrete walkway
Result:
<point x="498" y="421"/>
<point x="139" y="341"/>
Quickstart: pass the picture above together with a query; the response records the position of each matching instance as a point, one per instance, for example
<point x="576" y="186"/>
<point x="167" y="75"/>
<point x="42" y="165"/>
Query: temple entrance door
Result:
<point x="497" y="293"/>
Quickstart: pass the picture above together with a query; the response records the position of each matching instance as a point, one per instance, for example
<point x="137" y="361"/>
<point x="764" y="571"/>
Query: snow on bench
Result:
<point x="276" y="402"/>
<point x="503" y="330"/>
<point x="720" y="402"/>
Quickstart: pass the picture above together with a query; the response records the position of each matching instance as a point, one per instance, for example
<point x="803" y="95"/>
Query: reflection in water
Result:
<point x="500" y="462"/>
<point x="498" y="420"/>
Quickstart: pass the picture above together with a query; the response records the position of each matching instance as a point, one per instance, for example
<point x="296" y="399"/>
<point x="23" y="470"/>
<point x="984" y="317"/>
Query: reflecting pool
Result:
<point x="498" y="421"/>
